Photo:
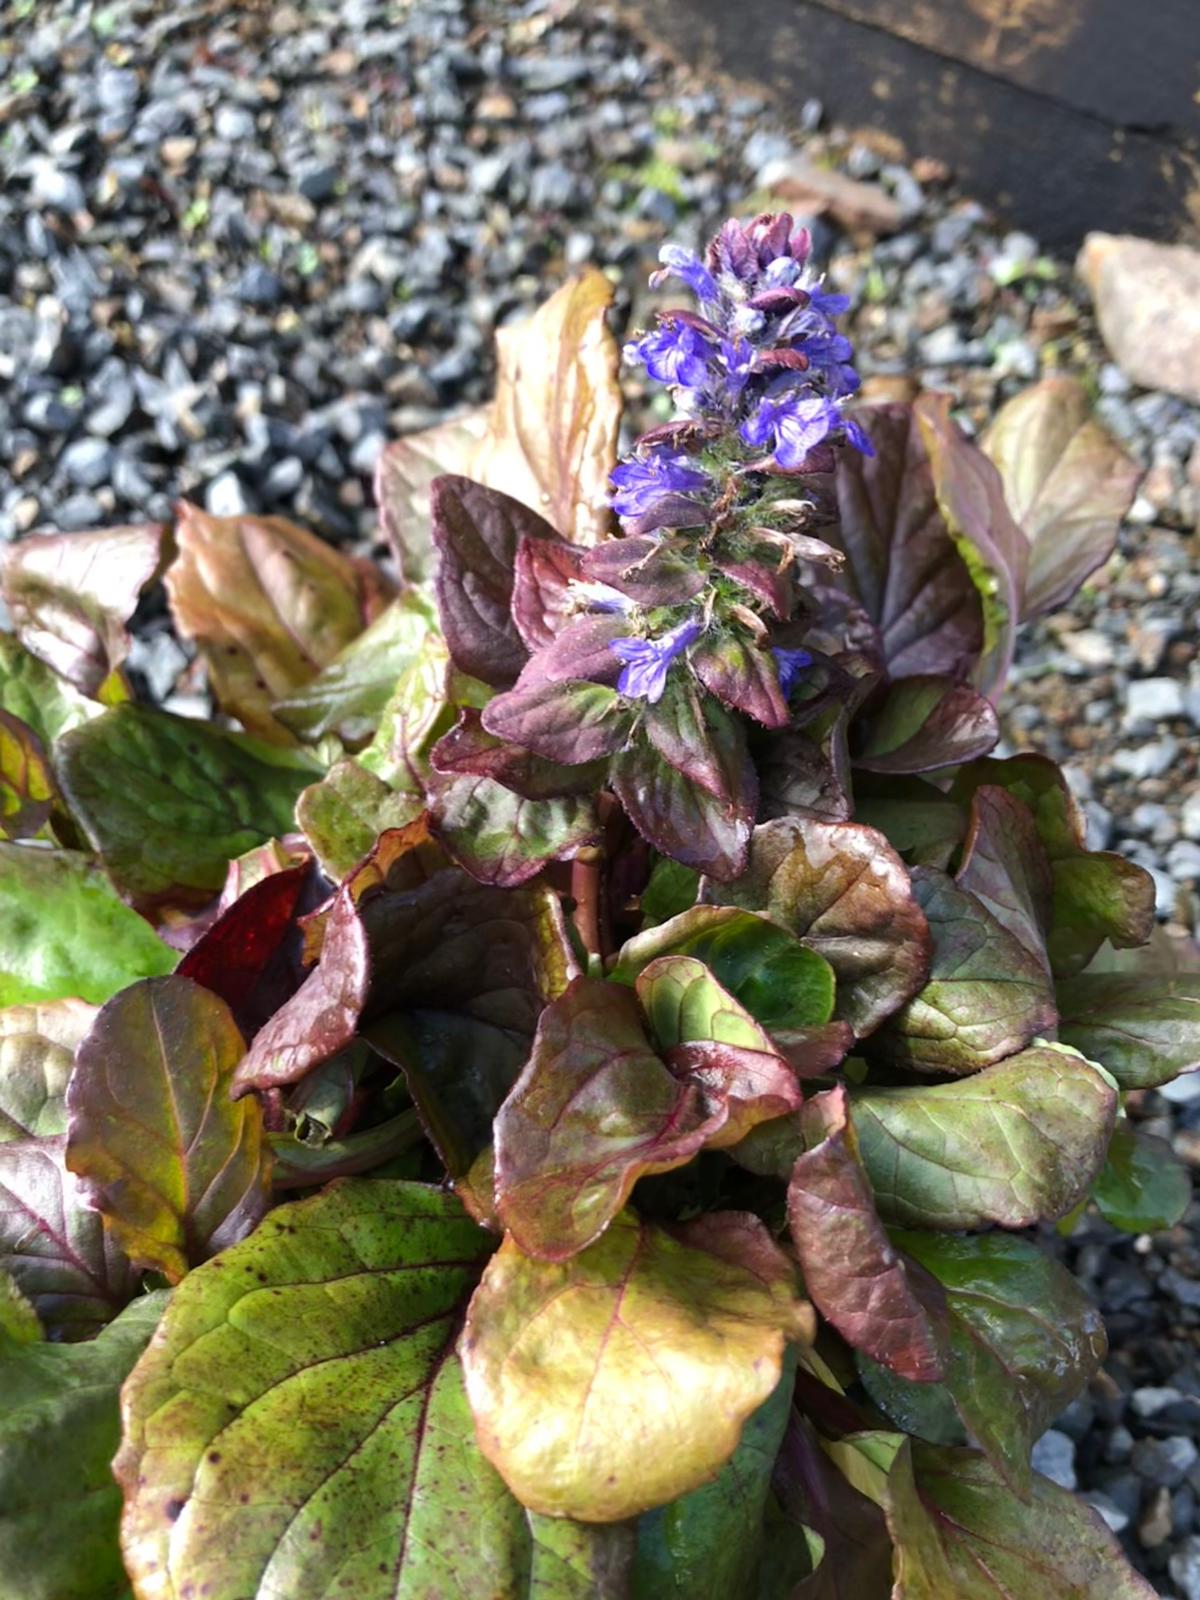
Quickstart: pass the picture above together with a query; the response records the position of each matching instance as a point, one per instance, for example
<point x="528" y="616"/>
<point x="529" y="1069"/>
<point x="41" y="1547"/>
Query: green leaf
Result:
<point x="59" y="1427"/>
<point x="65" y="934"/>
<point x="35" y="694"/>
<point x="925" y="825"/>
<point x="781" y="982"/>
<point x="1097" y="895"/>
<point x="672" y="888"/>
<point x="19" y="1322"/>
<point x="1021" y="1341"/>
<point x="37" y="1051"/>
<point x="708" y="1545"/>
<point x="1005" y="866"/>
<point x="176" y="1167"/>
<point x="1016" y="1144"/>
<point x="844" y="892"/>
<point x="168" y="802"/>
<point x="348" y="697"/>
<point x="1145" y="1029"/>
<point x="987" y="996"/>
<point x="639" y="1361"/>
<point x="501" y="838"/>
<point x="579" y="1560"/>
<point x="419" y="710"/>
<point x="56" y="1249"/>
<point x="958" y="1531"/>
<point x="343" y="814"/>
<point x="1143" y="1187"/>
<point x="923" y="724"/>
<point x="299" y="1423"/>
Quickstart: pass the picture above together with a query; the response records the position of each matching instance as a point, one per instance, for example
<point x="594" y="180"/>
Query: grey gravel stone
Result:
<point x="1164" y="1462"/>
<point x="226" y="496"/>
<point x="1054" y="1457"/>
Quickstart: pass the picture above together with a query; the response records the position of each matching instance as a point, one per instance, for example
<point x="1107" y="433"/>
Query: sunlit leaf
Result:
<point x="344" y="813"/>
<point x="267" y="603"/>
<point x="1018" y="1143"/>
<point x="37" y="1049"/>
<point x="403" y="477"/>
<point x="71" y="596"/>
<point x="502" y="838"/>
<point x="26" y="782"/>
<point x="64" y="933"/>
<point x="1067" y="481"/>
<point x="641" y="1360"/>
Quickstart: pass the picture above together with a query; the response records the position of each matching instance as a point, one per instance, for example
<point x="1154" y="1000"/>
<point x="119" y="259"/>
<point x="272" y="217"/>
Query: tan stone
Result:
<point x="1147" y="299"/>
<point x="857" y="207"/>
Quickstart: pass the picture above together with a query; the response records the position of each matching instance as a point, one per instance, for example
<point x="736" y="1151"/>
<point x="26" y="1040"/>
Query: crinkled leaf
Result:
<point x="252" y="955"/>
<point x="925" y="723"/>
<point x="851" y="1269"/>
<point x="970" y="496"/>
<point x="695" y="734"/>
<point x="842" y="890"/>
<point x="1006" y="868"/>
<point x="37" y="696"/>
<point x="552" y="432"/>
<point x="59" y="1506"/>
<point x="504" y="839"/>
<point x="37" y="1050"/>
<point x="344" y="813"/>
<point x="1145" y="1030"/>
<point x="267" y="603"/>
<point x="58" y="1252"/>
<point x="470" y="750"/>
<point x="1021" y="1341"/>
<point x="560" y="721"/>
<point x="404" y="475"/>
<point x="168" y="801"/>
<point x="64" y="933"/>
<point x="708" y="1545"/>
<point x="782" y="983"/>
<point x="741" y="676"/>
<point x="651" y="571"/>
<point x="594" y="1110"/>
<point x="987" y="996"/>
<point x="177" y="1168"/>
<point x="335" y="1323"/>
<point x="682" y="819"/>
<point x="1143" y="1187"/>
<point x="477" y="531"/>
<point x="901" y="561"/>
<point x="959" y="1531"/>
<point x="1016" y="1144"/>
<point x="1067" y="481"/>
<point x="26" y="782"/>
<point x="348" y="696"/>
<point x="660" y="1345"/>
<point x="71" y="595"/>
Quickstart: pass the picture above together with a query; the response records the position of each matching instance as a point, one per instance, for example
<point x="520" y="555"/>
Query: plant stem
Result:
<point x="586" y="891"/>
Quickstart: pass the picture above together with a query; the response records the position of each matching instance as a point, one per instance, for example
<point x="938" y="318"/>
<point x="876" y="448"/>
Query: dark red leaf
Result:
<point x="542" y="596"/>
<point x="742" y="676"/>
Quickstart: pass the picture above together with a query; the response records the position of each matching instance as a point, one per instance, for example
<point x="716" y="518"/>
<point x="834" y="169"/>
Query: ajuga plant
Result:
<point x="563" y="1087"/>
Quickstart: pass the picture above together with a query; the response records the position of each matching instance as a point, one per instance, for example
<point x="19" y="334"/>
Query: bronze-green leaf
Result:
<point x="178" y="1169"/>
<point x="1018" y="1143"/>
<point x="37" y="1051"/>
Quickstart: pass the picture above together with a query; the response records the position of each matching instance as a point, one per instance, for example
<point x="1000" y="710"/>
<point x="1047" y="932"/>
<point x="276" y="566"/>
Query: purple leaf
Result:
<point x="570" y="723"/>
<point x="741" y="676"/>
<point x="922" y="724"/>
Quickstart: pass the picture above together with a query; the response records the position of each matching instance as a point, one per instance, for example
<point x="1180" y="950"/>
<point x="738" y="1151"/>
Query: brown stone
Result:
<point x="857" y="207"/>
<point x="1147" y="300"/>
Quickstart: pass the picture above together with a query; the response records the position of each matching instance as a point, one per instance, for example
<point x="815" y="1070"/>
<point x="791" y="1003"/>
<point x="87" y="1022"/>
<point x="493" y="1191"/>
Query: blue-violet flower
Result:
<point x="643" y="480"/>
<point x="790" y="664"/>
<point x="647" y="660"/>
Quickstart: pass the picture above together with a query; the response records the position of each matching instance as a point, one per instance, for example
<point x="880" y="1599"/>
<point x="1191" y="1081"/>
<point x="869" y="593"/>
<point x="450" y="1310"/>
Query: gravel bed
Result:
<point x="241" y="248"/>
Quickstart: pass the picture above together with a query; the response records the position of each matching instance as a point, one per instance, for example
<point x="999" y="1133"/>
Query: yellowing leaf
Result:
<point x="553" y="435"/>
<point x="268" y="603"/>
<point x="26" y="783"/>
<point x="618" y="1380"/>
